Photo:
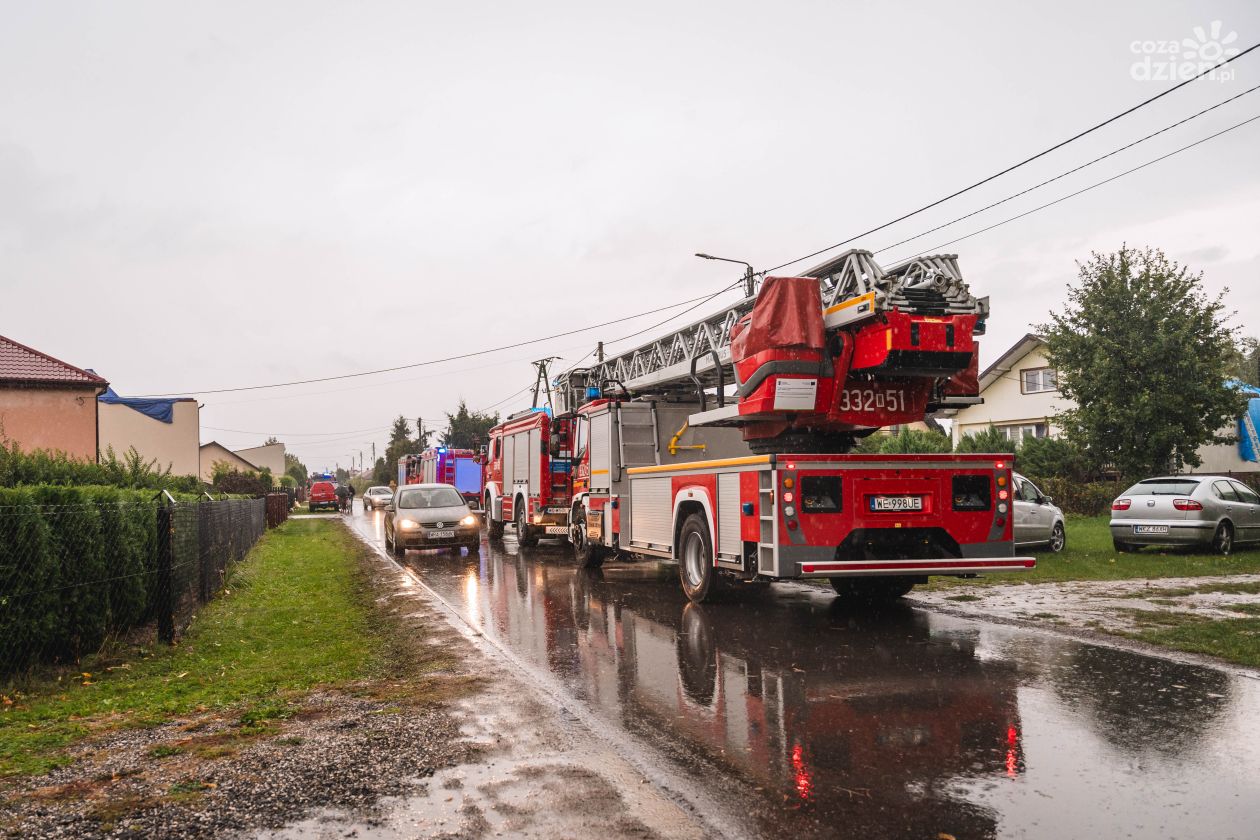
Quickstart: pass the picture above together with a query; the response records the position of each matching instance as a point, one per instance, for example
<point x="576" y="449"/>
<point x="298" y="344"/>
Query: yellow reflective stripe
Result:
<point x="869" y="296"/>
<point x="599" y="472"/>
<point x="702" y="465"/>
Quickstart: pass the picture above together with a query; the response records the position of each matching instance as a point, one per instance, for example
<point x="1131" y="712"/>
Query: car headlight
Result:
<point x="468" y="520"/>
<point x="408" y="525"/>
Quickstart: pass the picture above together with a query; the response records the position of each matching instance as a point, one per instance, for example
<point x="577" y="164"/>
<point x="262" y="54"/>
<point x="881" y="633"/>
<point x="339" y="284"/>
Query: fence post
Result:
<point x="165" y="560"/>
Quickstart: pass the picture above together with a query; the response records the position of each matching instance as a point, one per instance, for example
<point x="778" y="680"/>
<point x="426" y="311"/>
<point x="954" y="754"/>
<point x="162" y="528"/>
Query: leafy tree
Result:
<point x="294" y="467"/>
<point x="1144" y="354"/>
<point x="400" y="443"/>
<point x="990" y="440"/>
<point x="1244" y="363"/>
<point x="468" y="429"/>
<point x="381" y="473"/>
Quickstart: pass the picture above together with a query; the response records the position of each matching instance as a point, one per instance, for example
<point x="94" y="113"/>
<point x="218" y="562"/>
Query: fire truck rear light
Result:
<point x="1001" y="508"/>
<point x="791" y="524"/>
<point x="1121" y="504"/>
<point x="1187" y="504"/>
<point x="789" y="511"/>
<point x="1001" y="481"/>
<point x="791" y="466"/>
<point x="787" y="482"/>
<point x="1003" y="494"/>
<point x="787" y="497"/>
<point x="1000" y="465"/>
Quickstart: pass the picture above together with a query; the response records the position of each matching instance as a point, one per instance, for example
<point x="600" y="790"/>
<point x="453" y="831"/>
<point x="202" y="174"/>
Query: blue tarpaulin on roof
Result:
<point x="163" y="410"/>
<point x="1248" y="440"/>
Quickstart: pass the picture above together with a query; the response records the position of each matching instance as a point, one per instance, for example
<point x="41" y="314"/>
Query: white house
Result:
<point x="1021" y="398"/>
<point x="269" y="456"/>
<point x="214" y="452"/>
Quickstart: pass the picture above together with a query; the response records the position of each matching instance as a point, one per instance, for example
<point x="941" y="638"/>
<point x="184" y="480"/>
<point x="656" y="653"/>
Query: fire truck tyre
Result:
<point x="871" y="590"/>
<point x="700" y="580"/>
<point x="587" y="554"/>
<point x="525" y="535"/>
<point x="697" y="656"/>
<point x="494" y="527"/>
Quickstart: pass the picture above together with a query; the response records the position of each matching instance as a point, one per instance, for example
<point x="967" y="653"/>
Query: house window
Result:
<point x="1020" y="431"/>
<point x="1038" y="380"/>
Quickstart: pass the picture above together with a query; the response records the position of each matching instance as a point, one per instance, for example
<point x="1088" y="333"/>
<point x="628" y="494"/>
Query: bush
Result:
<point x="76" y="541"/>
<point x="18" y="468"/>
<point x="1045" y="458"/>
<point x="1086" y="498"/>
<point x="241" y="483"/>
<point x="129" y="544"/>
<point x="28" y="579"/>
<point x="991" y="440"/>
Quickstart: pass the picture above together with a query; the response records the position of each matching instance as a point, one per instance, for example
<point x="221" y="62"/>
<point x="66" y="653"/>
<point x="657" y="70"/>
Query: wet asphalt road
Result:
<point x="802" y="718"/>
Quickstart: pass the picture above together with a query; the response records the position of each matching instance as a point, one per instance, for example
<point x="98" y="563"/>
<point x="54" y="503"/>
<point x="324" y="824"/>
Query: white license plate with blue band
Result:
<point x="880" y="503"/>
<point x="1150" y="529"/>
<point x="441" y="535"/>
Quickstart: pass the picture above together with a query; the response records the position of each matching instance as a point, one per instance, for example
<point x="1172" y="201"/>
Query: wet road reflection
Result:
<point x="818" y="721"/>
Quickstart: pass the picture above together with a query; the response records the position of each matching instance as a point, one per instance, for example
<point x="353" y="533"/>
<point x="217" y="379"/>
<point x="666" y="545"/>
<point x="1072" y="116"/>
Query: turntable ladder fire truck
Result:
<point x="760" y="484"/>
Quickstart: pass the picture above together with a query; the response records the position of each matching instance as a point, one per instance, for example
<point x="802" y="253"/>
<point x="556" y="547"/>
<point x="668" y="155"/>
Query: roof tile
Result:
<point x="19" y="363"/>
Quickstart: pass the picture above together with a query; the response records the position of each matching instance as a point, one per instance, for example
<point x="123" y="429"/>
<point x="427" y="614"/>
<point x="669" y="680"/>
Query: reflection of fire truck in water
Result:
<point x="874" y="720"/>
<point x="461" y="468"/>
<point x="758" y="486"/>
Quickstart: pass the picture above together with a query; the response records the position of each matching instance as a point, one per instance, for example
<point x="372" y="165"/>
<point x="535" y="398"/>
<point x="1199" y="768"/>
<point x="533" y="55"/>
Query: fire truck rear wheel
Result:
<point x="700" y="579"/>
<point x="494" y="527"/>
<point x="524" y="534"/>
<point x="587" y="554"/>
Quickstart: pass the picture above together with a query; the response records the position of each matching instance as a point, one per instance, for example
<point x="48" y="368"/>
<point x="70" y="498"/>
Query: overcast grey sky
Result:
<point x="197" y="196"/>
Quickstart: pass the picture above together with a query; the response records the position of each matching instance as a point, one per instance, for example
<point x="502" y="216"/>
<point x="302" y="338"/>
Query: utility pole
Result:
<point x="542" y="381"/>
<point x="599" y="352"/>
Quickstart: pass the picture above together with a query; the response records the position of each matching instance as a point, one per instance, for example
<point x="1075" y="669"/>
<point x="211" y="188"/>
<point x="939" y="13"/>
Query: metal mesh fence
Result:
<point x="72" y="575"/>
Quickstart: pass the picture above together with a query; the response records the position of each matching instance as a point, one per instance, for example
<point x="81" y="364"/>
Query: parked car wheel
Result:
<point x="1058" y="538"/>
<point x="394" y="548"/>
<point x="1223" y="539"/>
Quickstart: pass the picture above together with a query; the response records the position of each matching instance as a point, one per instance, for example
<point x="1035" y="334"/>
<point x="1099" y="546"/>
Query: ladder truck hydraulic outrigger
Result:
<point x="760" y="484"/>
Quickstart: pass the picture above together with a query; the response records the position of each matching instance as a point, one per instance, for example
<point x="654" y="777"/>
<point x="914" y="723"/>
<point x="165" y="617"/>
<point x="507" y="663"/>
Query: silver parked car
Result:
<point x="429" y="516"/>
<point x="1184" y="510"/>
<point x="377" y="497"/>
<point x="1037" y="520"/>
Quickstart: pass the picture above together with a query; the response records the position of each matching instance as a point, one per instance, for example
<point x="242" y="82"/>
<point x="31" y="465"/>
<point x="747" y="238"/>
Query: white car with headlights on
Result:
<point x="429" y="516"/>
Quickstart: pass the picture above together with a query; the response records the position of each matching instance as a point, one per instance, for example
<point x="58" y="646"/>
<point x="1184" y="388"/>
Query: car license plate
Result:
<point x="1150" y="529"/>
<point x="896" y="503"/>
<point x="557" y="529"/>
<point x="441" y="535"/>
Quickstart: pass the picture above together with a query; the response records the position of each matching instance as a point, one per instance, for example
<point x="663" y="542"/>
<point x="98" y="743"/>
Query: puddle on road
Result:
<point x="900" y="723"/>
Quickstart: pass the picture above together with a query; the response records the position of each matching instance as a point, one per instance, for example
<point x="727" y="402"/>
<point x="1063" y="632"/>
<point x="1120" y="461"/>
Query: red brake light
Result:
<point x="1187" y="504"/>
<point x="1121" y="504"/>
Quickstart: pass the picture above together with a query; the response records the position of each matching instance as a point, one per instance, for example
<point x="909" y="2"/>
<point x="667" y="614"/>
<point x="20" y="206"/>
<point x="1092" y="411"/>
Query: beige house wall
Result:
<point x="176" y="444"/>
<point x="270" y="456"/>
<point x="212" y="453"/>
<point x="1005" y="404"/>
<point x="59" y="419"/>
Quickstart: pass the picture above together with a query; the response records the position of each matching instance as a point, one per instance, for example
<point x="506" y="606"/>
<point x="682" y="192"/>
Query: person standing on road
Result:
<point x="343" y="497"/>
<point x="351" y="502"/>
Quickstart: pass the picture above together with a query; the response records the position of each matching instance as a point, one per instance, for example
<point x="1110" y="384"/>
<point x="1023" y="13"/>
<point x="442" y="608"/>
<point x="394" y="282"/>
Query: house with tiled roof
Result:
<point x="46" y="403"/>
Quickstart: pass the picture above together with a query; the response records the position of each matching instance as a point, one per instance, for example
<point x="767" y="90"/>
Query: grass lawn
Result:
<point x="1235" y="640"/>
<point x="296" y="614"/>
<point x="1089" y="555"/>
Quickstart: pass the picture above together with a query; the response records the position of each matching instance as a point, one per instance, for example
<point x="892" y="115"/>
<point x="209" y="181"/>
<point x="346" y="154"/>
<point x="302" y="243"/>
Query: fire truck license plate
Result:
<point x="896" y="503"/>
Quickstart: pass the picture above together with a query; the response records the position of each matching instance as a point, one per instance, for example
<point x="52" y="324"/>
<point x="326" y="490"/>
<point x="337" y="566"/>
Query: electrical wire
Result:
<point x="430" y="361"/>
<point x="1072" y="171"/>
<point x="1013" y="167"/>
<point x="936" y="248"/>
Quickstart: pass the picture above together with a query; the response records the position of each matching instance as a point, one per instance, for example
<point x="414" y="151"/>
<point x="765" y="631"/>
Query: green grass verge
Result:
<point x="296" y="614"/>
<point x="1089" y="555"/>
<point x="1235" y="640"/>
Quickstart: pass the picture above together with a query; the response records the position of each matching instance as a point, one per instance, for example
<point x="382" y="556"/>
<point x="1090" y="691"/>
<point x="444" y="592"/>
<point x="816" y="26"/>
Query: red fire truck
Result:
<point x="759" y="487"/>
<point x="527" y="476"/>
<point x="461" y="468"/>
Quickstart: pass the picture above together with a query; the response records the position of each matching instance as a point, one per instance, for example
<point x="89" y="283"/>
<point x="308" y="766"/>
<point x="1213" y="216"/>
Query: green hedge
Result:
<point x="1087" y="498"/>
<point x="76" y="565"/>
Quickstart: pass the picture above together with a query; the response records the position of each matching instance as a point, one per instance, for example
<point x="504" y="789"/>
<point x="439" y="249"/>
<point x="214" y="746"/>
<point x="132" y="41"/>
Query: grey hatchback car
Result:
<point x="1186" y="510"/>
<point x="429" y="516"/>
<point x="1038" y="521"/>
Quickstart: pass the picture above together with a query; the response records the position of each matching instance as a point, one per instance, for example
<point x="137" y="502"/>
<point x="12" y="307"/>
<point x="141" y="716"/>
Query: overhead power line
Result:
<point x="1013" y="167"/>
<point x="431" y="361"/>
<point x="936" y="248"/>
<point x="1071" y="171"/>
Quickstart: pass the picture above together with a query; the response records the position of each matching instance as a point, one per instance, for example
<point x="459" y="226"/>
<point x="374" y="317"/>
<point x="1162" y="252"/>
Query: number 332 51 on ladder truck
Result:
<point x="763" y="485"/>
